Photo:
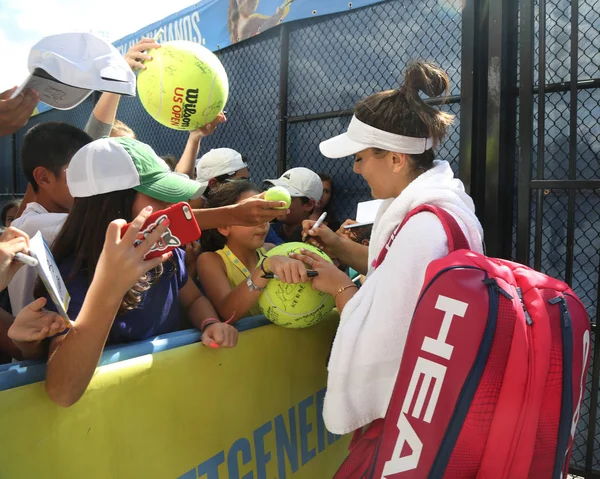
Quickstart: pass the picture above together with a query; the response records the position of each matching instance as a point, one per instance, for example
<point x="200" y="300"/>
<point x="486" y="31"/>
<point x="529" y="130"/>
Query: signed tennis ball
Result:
<point x="279" y="193"/>
<point x="294" y="305"/>
<point x="184" y="86"/>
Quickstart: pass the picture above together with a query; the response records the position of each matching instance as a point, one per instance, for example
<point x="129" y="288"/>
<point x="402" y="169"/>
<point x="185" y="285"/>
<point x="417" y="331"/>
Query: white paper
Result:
<point x="366" y="212"/>
<point x="50" y="274"/>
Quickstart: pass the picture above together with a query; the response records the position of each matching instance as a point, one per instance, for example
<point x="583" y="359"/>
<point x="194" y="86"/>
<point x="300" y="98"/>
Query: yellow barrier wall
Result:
<point x="252" y="412"/>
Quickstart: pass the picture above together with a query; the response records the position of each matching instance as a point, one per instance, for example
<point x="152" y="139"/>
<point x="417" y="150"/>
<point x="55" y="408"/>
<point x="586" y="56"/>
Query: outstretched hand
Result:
<point x="209" y="128"/>
<point x="122" y="263"/>
<point x="256" y="210"/>
<point x="12" y="241"/>
<point x="136" y="56"/>
<point x="15" y="112"/>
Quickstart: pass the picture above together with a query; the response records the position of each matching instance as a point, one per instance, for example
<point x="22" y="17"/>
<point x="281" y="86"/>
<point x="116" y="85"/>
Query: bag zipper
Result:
<point x="530" y="369"/>
<point x="465" y="397"/>
<point x="527" y="316"/>
<point x="566" y="410"/>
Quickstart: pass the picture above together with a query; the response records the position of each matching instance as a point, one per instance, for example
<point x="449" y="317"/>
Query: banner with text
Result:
<point x="217" y="24"/>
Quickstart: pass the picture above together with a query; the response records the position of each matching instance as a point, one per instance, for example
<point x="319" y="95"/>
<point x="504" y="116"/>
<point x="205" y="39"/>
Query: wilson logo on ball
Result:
<point x="181" y="112"/>
<point x="184" y="86"/>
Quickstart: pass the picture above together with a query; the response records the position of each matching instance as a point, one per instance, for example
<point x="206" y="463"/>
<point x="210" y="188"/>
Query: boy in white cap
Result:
<point x="306" y="188"/>
<point x="218" y="166"/>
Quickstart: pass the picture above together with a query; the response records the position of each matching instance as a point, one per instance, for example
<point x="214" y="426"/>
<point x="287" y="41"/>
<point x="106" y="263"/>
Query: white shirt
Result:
<point x="35" y="218"/>
<point x="367" y="350"/>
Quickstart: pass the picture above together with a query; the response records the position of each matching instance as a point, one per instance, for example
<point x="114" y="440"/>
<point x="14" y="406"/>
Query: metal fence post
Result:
<point x="282" y="120"/>
<point x="488" y="116"/>
<point x="501" y="125"/>
<point x="525" y="132"/>
<point x="467" y="87"/>
<point x="473" y="103"/>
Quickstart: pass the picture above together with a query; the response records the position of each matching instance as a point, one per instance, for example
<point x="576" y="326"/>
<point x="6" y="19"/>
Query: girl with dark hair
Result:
<point x="115" y="178"/>
<point x="392" y="137"/>
<point x="9" y="212"/>
<point x="234" y="261"/>
<point x="325" y="204"/>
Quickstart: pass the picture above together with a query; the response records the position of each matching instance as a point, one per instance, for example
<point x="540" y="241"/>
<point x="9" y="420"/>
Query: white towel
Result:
<point x="374" y="325"/>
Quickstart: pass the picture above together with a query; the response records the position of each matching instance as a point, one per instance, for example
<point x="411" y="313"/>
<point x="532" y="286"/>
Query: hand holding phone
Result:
<point x="182" y="229"/>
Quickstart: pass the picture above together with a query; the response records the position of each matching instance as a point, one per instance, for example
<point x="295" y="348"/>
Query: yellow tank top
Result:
<point x="238" y="273"/>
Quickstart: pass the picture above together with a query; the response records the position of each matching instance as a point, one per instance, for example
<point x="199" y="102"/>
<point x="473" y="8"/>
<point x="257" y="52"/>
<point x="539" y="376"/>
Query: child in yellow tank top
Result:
<point x="231" y="266"/>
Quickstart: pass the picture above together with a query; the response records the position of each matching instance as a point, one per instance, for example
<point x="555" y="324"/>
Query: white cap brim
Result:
<point x="202" y="188"/>
<point x="341" y="146"/>
<point x="54" y="93"/>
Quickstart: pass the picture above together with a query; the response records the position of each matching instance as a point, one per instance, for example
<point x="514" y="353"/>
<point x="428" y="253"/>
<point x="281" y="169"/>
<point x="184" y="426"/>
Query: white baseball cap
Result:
<point x="66" y="68"/>
<point x="217" y="162"/>
<point x="116" y="164"/>
<point x="300" y="182"/>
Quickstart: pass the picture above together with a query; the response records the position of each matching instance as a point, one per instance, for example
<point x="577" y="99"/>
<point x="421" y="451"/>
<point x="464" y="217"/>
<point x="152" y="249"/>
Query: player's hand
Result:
<point x="330" y="278"/>
<point x="322" y="237"/>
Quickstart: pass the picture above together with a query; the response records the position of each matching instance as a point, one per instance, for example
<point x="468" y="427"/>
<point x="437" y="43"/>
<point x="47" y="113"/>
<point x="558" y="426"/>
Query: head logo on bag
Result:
<point x="431" y="372"/>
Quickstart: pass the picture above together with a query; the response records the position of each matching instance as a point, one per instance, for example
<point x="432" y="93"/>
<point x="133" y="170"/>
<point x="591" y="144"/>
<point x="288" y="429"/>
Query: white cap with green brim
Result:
<point x="116" y="164"/>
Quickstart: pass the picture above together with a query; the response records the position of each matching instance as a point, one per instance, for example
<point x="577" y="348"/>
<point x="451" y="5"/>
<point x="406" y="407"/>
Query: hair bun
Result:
<point x="426" y="77"/>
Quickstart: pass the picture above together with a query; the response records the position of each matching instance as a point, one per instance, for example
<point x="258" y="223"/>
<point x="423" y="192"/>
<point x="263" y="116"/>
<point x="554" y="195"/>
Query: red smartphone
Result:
<point x="182" y="230"/>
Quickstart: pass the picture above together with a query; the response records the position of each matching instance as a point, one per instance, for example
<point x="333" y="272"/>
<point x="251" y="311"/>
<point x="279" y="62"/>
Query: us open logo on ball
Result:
<point x="182" y="111"/>
<point x="184" y="86"/>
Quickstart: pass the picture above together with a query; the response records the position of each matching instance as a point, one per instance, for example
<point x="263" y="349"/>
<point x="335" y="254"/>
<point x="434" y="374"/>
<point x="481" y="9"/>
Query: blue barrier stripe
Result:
<point x="28" y="372"/>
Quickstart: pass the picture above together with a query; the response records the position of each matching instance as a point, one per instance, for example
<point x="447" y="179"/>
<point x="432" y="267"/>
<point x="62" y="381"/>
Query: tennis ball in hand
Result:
<point x="279" y="193"/>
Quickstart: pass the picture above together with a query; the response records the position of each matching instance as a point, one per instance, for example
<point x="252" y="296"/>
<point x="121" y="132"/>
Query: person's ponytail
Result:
<point x="403" y="111"/>
<point x="433" y="82"/>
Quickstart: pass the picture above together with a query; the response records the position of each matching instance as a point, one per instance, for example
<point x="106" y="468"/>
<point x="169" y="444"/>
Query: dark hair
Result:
<point x="82" y="239"/>
<point x="170" y="160"/>
<point x="363" y="233"/>
<point x="404" y="112"/>
<point x="329" y="207"/>
<point x="306" y="200"/>
<point x="51" y="145"/>
<point x="5" y="208"/>
<point x="225" y="195"/>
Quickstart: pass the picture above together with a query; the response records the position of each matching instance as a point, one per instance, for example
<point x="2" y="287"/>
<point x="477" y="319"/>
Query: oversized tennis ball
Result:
<point x="279" y="193"/>
<point x="184" y="86"/>
<point x="294" y="305"/>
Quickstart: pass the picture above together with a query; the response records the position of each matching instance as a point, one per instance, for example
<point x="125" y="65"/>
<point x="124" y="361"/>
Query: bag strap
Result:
<point x="456" y="238"/>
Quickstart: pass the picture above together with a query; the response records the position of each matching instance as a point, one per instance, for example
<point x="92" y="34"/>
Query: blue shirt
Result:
<point x="158" y="312"/>
<point x="273" y="238"/>
<point x="296" y="236"/>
